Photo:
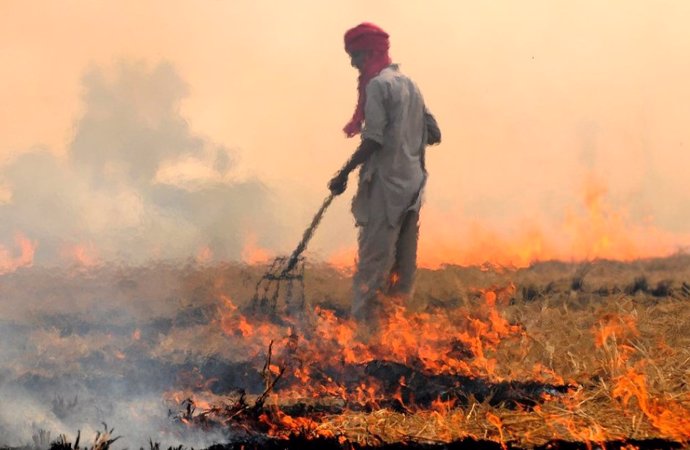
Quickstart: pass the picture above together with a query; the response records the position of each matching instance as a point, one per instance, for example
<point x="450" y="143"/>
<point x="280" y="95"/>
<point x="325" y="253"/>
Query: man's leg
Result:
<point x="376" y="256"/>
<point x="405" y="265"/>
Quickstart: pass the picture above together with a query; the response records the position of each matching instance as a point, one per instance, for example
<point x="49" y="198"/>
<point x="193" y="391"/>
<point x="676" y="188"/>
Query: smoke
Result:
<point x="136" y="187"/>
<point x="104" y="345"/>
<point x="136" y="183"/>
<point x="134" y="420"/>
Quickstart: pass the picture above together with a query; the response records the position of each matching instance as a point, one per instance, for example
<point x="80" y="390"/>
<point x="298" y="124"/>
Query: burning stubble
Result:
<point x="174" y="353"/>
<point x="570" y="147"/>
<point x="76" y="350"/>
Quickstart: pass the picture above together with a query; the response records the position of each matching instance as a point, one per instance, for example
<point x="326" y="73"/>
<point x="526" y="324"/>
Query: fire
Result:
<point x="204" y="255"/>
<point x="283" y="425"/>
<point x="343" y="258"/>
<point x="252" y="253"/>
<point x="615" y="328"/>
<point x="322" y="359"/>
<point x="669" y="416"/>
<point x="11" y="261"/>
<point x="425" y="338"/>
<point x="498" y="423"/>
<point x="477" y="244"/>
<point x="83" y="255"/>
<point x="136" y="335"/>
<point x="594" y="229"/>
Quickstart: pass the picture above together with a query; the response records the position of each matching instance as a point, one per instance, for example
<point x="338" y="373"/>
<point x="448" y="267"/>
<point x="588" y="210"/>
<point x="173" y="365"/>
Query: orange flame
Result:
<point x="466" y="340"/>
<point x="10" y="261"/>
<point x="668" y="416"/>
<point x="430" y="339"/>
<point x="283" y="426"/>
<point x="615" y="328"/>
<point x="343" y="258"/>
<point x="204" y="255"/>
<point x="83" y="255"/>
<point x="251" y="252"/>
<point x="594" y="230"/>
<point x="498" y="423"/>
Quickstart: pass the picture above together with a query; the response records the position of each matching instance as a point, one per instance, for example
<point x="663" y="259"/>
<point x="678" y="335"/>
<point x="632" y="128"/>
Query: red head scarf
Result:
<point x="366" y="37"/>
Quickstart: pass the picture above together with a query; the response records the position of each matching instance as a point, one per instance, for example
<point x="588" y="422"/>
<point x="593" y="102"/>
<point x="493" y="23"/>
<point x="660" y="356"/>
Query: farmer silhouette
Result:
<point x="395" y="127"/>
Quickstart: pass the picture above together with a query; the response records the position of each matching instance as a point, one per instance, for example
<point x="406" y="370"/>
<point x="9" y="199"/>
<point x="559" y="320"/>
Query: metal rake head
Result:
<point x="281" y="288"/>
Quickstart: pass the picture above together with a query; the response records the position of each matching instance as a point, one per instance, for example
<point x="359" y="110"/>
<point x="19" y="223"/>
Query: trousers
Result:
<point x="387" y="259"/>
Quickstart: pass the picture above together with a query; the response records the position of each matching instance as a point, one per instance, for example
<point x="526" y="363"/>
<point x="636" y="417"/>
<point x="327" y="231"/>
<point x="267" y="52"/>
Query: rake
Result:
<point x="284" y="274"/>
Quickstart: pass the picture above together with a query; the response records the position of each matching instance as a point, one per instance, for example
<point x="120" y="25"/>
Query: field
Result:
<point x="594" y="352"/>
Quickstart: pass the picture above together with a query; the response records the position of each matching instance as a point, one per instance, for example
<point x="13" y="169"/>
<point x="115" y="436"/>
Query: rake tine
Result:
<point x="274" y="299"/>
<point x="287" y="269"/>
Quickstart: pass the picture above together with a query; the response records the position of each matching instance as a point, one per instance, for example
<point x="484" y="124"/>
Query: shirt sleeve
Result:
<point x="433" y="131"/>
<point x="374" y="112"/>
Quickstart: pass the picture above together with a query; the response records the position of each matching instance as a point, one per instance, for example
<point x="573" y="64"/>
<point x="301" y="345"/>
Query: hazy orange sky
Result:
<point x="564" y="123"/>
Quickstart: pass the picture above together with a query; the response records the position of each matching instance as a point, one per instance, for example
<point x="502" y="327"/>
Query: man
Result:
<point x="393" y="121"/>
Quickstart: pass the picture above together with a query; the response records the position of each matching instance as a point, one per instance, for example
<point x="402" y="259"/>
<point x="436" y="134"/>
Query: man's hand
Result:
<point x="338" y="183"/>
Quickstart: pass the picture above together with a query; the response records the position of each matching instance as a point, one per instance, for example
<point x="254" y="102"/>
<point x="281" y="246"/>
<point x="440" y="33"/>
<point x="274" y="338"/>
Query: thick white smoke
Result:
<point x="136" y="184"/>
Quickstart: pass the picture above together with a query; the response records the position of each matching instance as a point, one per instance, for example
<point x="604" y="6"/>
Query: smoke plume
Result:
<point x="136" y="184"/>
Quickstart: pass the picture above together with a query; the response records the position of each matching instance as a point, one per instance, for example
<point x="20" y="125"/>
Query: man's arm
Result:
<point x="433" y="132"/>
<point x="375" y="122"/>
<point x="338" y="184"/>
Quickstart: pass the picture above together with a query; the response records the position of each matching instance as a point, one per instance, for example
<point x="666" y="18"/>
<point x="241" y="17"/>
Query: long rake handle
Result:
<point x="308" y="234"/>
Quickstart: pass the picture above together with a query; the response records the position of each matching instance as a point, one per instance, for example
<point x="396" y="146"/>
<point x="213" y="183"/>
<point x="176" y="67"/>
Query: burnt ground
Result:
<point x="81" y="345"/>
<point x="302" y="443"/>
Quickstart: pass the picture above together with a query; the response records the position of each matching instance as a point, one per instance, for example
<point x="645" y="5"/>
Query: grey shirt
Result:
<point x="393" y="117"/>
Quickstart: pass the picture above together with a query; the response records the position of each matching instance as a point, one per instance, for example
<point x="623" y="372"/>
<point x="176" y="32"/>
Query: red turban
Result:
<point x="366" y="37"/>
